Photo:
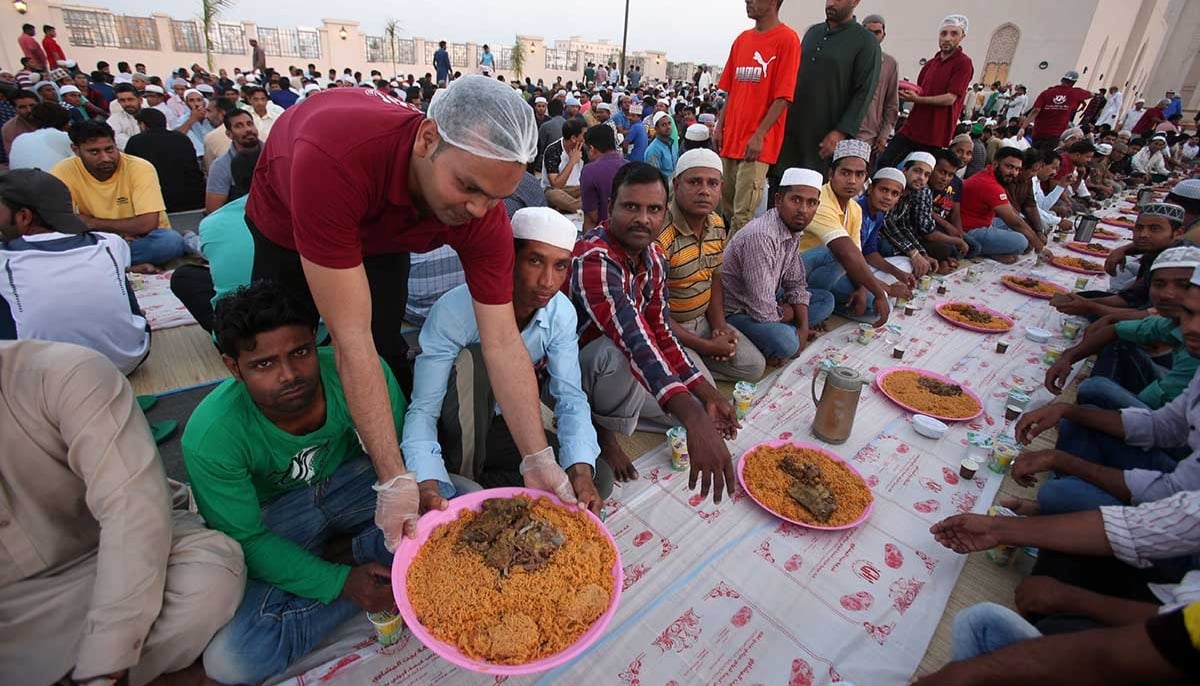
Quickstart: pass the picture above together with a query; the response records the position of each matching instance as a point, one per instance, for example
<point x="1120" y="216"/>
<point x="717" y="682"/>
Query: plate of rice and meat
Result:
<point x="805" y="485"/>
<point x="1077" y="265"/>
<point x="974" y="317"/>
<point x="1106" y="235"/>
<point x="1034" y="288"/>
<point x="1118" y="221"/>
<point x="508" y="581"/>
<point x="929" y="393"/>
<point x="1093" y="249"/>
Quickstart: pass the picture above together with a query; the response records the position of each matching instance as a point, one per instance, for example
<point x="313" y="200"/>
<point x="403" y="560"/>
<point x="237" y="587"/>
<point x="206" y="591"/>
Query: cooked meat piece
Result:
<point x="946" y="390"/>
<point x="1098" y="247"/>
<point x="1025" y="283"/>
<point x="970" y="313"/>
<point x="506" y="535"/>
<point x="816" y="498"/>
<point x="804" y="471"/>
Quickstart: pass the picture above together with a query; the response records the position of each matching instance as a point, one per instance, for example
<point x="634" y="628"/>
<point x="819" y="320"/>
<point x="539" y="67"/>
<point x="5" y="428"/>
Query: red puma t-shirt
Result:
<point x="332" y="184"/>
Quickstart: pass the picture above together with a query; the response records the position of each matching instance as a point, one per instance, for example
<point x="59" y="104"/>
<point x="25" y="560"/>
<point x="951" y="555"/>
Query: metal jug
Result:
<point x="1145" y="195"/>
<point x="837" y="405"/>
<point x="1085" y="225"/>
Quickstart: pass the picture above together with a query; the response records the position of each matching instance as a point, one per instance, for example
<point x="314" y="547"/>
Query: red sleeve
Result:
<point x="789" y="70"/>
<point x="485" y="248"/>
<point x="921" y="77"/>
<point x="326" y="208"/>
<point x="1083" y="93"/>
<point x="726" y="82"/>
<point x="997" y="196"/>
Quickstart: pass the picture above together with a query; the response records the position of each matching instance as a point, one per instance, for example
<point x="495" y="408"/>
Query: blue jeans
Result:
<point x="157" y="247"/>
<point x="995" y="241"/>
<point x="1070" y="494"/>
<point x="1107" y="395"/>
<point x="1128" y="365"/>
<point x="273" y="628"/>
<point x="824" y="272"/>
<point x="987" y="627"/>
<point x="777" y="339"/>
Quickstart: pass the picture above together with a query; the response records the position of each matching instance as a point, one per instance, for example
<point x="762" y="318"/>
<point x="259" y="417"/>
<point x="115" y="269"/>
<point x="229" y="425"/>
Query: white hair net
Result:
<point x="486" y="118"/>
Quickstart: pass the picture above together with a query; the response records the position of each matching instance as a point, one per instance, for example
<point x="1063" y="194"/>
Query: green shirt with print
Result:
<point x="1157" y="330"/>
<point x="239" y="461"/>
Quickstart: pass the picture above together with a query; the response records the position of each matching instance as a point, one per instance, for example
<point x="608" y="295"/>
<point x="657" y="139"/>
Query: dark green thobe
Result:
<point x="838" y="72"/>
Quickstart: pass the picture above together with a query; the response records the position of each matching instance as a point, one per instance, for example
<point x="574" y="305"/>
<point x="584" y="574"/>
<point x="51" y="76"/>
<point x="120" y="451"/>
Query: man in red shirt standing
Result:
<point x="1151" y="119"/>
<point x="335" y="216"/>
<point x="944" y="81"/>
<point x="33" y="51"/>
<point x="993" y="226"/>
<point x="760" y="78"/>
<point x="1053" y="110"/>
<point x="54" y="51"/>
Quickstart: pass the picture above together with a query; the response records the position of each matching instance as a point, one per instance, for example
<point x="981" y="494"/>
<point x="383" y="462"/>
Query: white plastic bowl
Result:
<point x="928" y="426"/>
<point x="1037" y="335"/>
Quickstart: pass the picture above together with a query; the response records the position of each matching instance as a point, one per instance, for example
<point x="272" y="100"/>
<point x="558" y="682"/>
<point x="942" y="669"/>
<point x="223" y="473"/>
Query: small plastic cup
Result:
<point x="1002" y="457"/>
<point x="967" y="468"/>
<point x="1053" y="352"/>
<point x="1081" y="282"/>
<point x="910" y="308"/>
<point x="389" y="625"/>
<point x="743" y="397"/>
<point x="677" y="437"/>
<point x="1011" y="412"/>
<point x="1002" y="345"/>
<point x="1070" y="328"/>
<point x="866" y="333"/>
<point x="898" y="351"/>
<point x="1018" y="398"/>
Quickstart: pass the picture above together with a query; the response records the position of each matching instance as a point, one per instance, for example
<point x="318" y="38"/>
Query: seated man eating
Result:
<point x="1105" y="457"/>
<point x="119" y="193"/>
<point x="766" y="294"/>
<point x="276" y="463"/>
<point x="546" y="319"/>
<point x="878" y="203"/>
<point x="634" y="370"/>
<point x="832" y="245"/>
<point x="1158" y="227"/>
<point x="946" y="244"/>
<point x="993" y="227"/>
<point x="694" y="241"/>
<point x="910" y="219"/>
<point x="100" y="581"/>
<point x="1125" y="375"/>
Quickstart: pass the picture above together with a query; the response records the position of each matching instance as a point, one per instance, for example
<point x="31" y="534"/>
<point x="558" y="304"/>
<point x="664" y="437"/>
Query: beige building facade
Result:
<point x="90" y="33"/>
<point x="1144" y="47"/>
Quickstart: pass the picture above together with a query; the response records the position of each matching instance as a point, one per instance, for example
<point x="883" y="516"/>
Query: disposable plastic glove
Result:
<point x="396" y="508"/>
<point x="541" y="471"/>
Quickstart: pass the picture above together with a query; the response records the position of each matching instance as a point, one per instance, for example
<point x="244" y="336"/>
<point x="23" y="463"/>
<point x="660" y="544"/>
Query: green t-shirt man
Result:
<point x="1158" y="330"/>
<point x="589" y="74"/>
<point x="239" y="461"/>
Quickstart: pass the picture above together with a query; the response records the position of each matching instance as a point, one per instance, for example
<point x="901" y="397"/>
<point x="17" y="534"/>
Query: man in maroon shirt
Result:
<point x="32" y="49"/>
<point x="352" y="181"/>
<point x="944" y="81"/>
<point x="54" y="51"/>
<point x="1054" y="108"/>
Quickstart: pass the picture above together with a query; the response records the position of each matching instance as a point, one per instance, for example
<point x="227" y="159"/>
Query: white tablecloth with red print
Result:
<point x="733" y="595"/>
<point x="160" y="307"/>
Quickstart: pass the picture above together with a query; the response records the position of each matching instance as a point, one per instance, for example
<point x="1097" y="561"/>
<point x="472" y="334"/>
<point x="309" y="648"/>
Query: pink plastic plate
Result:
<point x="807" y="446"/>
<point x="1106" y="235"/>
<point x="972" y="327"/>
<point x="909" y="86"/>
<point x="1075" y="246"/>
<point x="883" y="374"/>
<point x="1032" y="293"/>
<point x="474" y="501"/>
<point x="1069" y="268"/>
<point x="1118" y="221"/>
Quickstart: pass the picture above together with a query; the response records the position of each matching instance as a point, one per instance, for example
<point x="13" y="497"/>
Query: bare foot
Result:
<point x="1004" y="259"/>
<point x="145" y="268"/>
<point x="616" y="457"/>
<point x="1026" y="507"/>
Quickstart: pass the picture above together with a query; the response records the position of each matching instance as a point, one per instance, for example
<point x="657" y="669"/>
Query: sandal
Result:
<point x="146" y="402"/>
<point x="163" y="430"/>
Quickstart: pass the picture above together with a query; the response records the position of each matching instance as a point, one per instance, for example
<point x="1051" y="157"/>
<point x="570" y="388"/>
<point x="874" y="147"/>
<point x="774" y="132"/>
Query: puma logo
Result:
<point x="758" y="58"/>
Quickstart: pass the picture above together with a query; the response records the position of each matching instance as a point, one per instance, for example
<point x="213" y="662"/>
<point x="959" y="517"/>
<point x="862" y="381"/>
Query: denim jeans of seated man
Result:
<point x="781" y="340"/>
<point x="987" y="627"/>
<point x="157" y="247"/>
<point x="824" y="272"/>
<point x="1062" y="494"/>
<point x="995" y="240"/>
<point x="273" y="628"/>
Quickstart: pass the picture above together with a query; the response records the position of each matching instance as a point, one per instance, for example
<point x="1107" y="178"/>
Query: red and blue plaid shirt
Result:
<point x="627" y="302"/>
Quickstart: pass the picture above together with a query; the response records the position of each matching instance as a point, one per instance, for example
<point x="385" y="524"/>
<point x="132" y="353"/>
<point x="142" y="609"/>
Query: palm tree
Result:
<point x="391" y="31"/>
<point x="209" y="11"/>
<point x="518" y="59"/>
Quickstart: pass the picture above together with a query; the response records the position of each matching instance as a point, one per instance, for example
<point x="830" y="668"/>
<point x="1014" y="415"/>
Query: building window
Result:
<point x="290" y="42"/>
<point x="430" y="48"/>
<point x="89" y="29"/>
<point x="504" y="59"/>
<point x="406" y="51"/>
<point x="458" y="55"/>
<point x="1001" y="51"/>
<point x="229" y="39"/>
<point x="187" y="36"/>
<point x="376" y="49"/>
<point x="137" y="33"/>
<point x="562" y="60"/>
<point x="380" y="50"/>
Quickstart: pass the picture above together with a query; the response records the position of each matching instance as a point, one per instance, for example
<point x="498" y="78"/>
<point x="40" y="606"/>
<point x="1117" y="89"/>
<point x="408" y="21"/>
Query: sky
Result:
<point x="702" y="35"/>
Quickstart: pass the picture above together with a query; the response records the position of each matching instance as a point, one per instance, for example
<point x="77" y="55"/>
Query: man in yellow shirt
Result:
<point x="832" y="245"/>
<point x="118" y="193"/>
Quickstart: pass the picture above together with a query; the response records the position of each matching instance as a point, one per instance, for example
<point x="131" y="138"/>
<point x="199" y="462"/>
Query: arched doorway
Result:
<point x="1000" y="53"/>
